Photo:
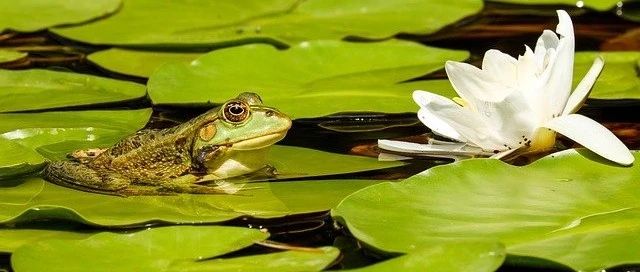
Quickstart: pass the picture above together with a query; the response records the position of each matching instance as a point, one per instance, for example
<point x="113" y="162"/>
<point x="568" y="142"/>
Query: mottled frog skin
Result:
<point x="227" y="141"/>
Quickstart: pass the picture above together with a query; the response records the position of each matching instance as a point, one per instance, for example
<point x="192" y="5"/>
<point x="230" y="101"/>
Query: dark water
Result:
<point x="498" y="26"/>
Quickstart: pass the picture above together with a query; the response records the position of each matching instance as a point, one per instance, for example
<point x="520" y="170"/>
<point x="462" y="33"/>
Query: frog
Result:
<point x="225" y="142"/>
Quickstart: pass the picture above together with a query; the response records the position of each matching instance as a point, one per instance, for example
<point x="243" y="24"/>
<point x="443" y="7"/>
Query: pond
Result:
<point x="84" y="75"/>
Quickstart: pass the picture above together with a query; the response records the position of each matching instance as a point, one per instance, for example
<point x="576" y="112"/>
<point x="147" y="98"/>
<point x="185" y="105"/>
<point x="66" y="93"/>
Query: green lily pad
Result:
<point x="445" y="257"/>
<point x="600" y="5"/>
<point x="570" y="207"/>
<point x="136" y="62"/>
<point x="286" y="261"/>
<point x="17" y="159"/>
<point x="202" y="22"/>
<point x="54" y="134"/>
<point x="34" y="15"/>
<point x="295" y="162"/>
<point x="42" y="89"/>
<point x="34" y="198"/>
<point x="302" y="82"/>
<point x="181" y="248"/>
<point x="13" y="238"/>
<point x="10" y="55"/>
<point x="619" y="78"/>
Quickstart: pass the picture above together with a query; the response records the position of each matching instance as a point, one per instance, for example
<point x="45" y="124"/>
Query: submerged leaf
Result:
<point x="10" y="55"/>
<point x="43" y="89"/>
<point x="308" y="79"/>
<point x="180" y="248"/>
<point x="34" y="15"/>
<point x="566" y="207"/>
<point x="295" y="162"/>
<point x="203" y="22"/>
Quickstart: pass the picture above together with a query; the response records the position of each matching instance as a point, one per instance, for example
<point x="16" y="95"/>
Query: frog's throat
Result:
<point x="259" y="142"/>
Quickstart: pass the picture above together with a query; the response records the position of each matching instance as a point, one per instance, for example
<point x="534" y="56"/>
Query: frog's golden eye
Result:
<point x="235" y="111"/>
<point x="207" y="132"/>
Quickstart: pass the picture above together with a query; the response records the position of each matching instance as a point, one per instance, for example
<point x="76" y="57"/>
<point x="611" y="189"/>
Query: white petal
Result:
<point x="548" y="39"/>
<point x="470" y="125"/>
<point x="512" y="118"/>
<point x="472" y="83"/>
<point x="437" y="125"/>
<point x="503" y="154"/>
<point x="583" y="89"/>
<point x="391" y="157"/>
<point x="593" y="136"/>
<point x="565" y="26"/>
<point x="560" y="68"/>
<point x="431" y="149"/>
<point x="500" y="66"/>
<point x="526" y="70"/>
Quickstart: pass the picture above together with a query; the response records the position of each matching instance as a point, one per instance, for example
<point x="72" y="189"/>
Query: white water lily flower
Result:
<point x="516" y="105"/>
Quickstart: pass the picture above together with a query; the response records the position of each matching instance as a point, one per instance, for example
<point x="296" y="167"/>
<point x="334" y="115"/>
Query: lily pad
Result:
<point x="13" y="238"/>
<point x="10" y="55"/>
<point x="293" y="261"/>
<point x="600" y="5"/>
<point x="43" y="89"/>
<point x="445" y="257"/>
<point x="17" y="159"/>
<point x="202" y="22"/>
<point x="137" y="62"/>
<point x="34" y="15"/>
<point x="568" y="207"/>
<point x="183" y="248"/>
<point x="619" y="78"/>
<point x="308" y="79"/>
<point x="34" y="198"/>
<point x="295" y="162"/>
<point x="54" y="134"/>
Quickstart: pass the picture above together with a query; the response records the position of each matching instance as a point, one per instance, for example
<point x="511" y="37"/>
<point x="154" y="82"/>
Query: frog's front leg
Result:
<point x="86" y="155"/>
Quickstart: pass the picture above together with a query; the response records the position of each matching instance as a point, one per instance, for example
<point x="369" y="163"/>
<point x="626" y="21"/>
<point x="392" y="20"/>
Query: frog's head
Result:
<point x="242" y="123"/>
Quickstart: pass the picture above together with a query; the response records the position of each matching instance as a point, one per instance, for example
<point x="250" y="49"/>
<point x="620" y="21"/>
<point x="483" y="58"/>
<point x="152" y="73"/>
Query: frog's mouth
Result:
<point x="260" y="141"/>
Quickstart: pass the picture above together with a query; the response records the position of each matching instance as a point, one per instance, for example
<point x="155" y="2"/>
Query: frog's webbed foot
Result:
<point x="85" y="155"/>
<point x="78" y="176"/>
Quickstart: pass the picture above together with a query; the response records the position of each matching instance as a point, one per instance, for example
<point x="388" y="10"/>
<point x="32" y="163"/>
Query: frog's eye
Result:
<point x="236" y="111"/>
